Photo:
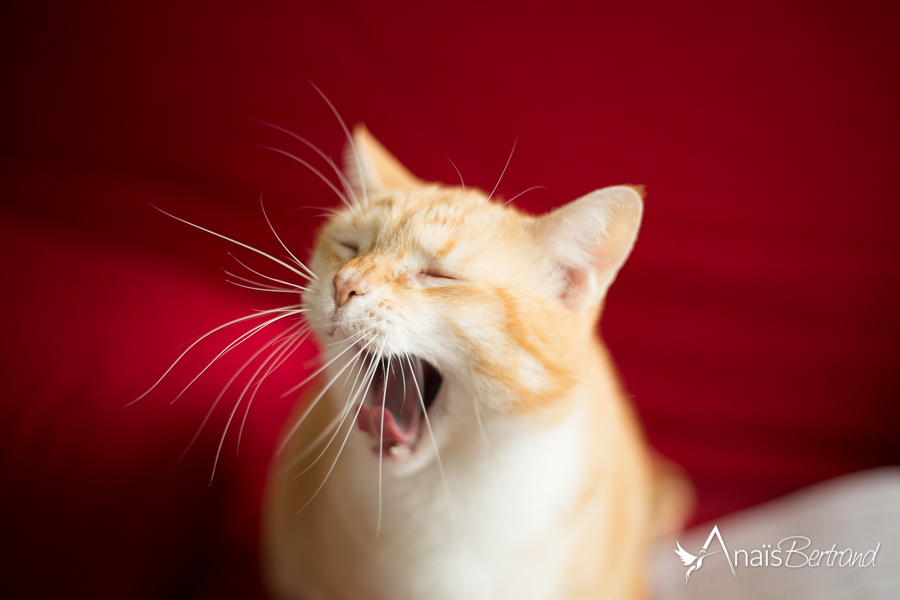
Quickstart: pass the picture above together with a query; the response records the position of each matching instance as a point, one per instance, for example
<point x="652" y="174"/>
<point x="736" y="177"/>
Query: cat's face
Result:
<point x="447" y="310"/>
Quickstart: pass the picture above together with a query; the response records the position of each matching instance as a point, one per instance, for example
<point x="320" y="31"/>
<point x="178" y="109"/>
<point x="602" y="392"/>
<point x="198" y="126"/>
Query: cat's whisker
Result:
<point x="290" y="308"/>
<point x="197" y="341"/>
<point x="403" y="379"/>
<point x="292" y="346"/>
<point x="239" y="340"/>
<point x="234" y="344"/>
<point x="356" y="359"/>
<point x="534" y="187"/>
<point x="491" y="195"/>
<point x="461" y="182"/>
<point x="418" y="374"/>
<point x="301" y="337"/>
<point x="241" y="244"/>
<point x="278" y="339"/>
<point x="259" y="289"/>
<point x="350" y="140"/>
<point x="312" y="404"/>
<point x="326" y="212"/>
<point x="337" y="423"/>
<point x="259" y="285"/>
<point x="215" y="404"/>
<point x="340" y="174"/>
<point x="387" y="373"/>
<point x="332" y="428"/>
<point x="358" y="334"/>
<point x="334" y="462"/>
<point x="348" y="342"/>
<point x="315" y="171"/>
<point x="295" y="286"/>
<point x="297" y="261"/>
<point x="311" y="445"/>
<point x="355" y="388"/>
<point x="318" y="319"/>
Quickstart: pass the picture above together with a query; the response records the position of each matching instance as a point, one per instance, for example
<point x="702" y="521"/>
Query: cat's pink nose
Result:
<point x="347" y="287"/>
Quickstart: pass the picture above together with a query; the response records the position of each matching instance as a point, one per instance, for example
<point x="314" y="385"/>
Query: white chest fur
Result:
<point x="496" y="529"/>
<point x="492" y="531"/>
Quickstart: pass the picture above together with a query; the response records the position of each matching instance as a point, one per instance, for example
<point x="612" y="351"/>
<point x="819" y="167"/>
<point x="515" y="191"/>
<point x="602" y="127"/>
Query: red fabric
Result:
<point x="756" y="322"/>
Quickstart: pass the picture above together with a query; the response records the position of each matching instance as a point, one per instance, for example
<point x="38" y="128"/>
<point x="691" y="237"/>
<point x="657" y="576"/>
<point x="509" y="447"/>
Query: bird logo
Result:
<point x="688" y="559"/>
<point x="695" y="562"/>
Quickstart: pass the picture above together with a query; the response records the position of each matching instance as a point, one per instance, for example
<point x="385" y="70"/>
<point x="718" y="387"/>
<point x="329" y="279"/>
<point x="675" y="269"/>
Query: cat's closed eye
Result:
<point x="435" y="273"/>
<point x="350" y="247"/>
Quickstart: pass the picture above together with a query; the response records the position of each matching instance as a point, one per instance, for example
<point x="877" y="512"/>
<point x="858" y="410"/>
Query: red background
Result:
<point x="756" y="322"/>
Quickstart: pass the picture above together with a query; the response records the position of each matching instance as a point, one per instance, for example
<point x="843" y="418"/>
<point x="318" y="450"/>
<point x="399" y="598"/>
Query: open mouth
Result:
<point x="395" y="406"/>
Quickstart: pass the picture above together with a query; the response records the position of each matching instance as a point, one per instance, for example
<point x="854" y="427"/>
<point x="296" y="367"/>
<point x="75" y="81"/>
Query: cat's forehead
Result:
<point x="432" y="205"/>
<point x="432" y="217"/>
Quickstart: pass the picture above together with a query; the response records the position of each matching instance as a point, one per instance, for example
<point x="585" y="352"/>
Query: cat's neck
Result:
<point x="532" y="498"/>
<point x="490" y="501"/>
<point x="488" y="461"/>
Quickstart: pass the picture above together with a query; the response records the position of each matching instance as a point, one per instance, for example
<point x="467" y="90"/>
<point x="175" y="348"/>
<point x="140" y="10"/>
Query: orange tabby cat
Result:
<point x="469" y="438"/>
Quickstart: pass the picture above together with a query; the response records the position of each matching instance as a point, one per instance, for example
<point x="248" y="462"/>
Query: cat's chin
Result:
<point x="395" y="409"/>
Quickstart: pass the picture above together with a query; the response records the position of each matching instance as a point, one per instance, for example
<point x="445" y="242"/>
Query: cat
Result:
<point x="469" y="437"/>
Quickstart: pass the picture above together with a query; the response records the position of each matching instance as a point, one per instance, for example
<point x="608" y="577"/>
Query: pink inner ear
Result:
<point x="575" y="282"/>
<point x="589" y="239"/>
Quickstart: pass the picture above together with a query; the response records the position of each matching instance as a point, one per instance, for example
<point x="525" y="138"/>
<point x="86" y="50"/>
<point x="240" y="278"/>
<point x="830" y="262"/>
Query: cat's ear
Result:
<point x="589" y="240"/>
<point x="370" y="167"/>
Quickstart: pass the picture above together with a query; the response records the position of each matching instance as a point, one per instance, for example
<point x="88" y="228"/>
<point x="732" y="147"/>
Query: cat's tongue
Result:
<point x="391" y="412"/>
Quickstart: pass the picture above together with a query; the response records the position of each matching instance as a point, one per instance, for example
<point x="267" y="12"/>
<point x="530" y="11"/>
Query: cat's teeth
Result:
<point x="396" y="451"/>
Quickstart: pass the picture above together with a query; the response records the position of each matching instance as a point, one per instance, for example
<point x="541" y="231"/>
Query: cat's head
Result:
<point x="469" y="309"/>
